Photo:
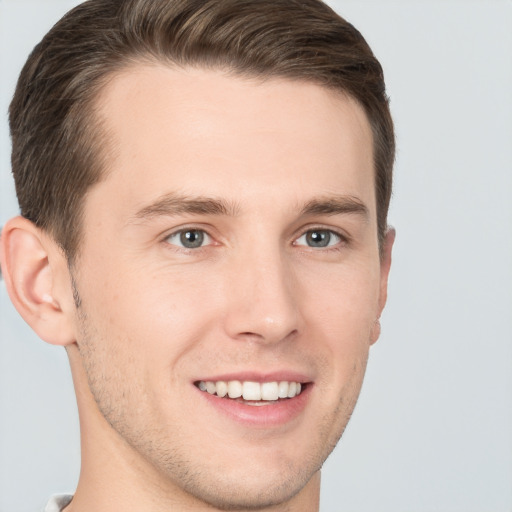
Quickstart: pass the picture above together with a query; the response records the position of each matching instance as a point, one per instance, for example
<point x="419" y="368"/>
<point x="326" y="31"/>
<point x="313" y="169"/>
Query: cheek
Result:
<point x="153" y="320"/>
<point x="344" y="300"/>
<point x="340" y="314"/>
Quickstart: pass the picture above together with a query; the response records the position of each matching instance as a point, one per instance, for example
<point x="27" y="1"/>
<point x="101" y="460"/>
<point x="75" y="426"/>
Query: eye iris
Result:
<point x="318" y="238"/>
<point x="192" y="239"/>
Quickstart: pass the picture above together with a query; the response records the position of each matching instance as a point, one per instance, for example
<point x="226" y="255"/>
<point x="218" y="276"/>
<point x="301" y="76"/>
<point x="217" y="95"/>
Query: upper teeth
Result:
<point x="251" y="390"/>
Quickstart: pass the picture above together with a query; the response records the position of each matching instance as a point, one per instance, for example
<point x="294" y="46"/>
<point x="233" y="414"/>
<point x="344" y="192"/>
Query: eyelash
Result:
<point x="342" y="239"/>
<point x="183" y="231"/>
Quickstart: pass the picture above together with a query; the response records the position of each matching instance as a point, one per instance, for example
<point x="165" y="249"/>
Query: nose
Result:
<point x="263" y="304"/>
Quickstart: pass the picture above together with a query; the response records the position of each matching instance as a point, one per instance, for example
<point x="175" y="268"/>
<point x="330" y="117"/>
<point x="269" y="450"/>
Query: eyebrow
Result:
<point x="174" y="204"/>
<point x="336" y="205"/>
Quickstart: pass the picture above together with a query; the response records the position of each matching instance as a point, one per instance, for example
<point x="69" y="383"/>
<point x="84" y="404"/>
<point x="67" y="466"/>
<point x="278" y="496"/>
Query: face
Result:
<point x="231" y="249"/>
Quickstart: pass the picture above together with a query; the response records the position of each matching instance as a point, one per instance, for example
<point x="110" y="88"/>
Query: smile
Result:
<point x="251" y="391"/>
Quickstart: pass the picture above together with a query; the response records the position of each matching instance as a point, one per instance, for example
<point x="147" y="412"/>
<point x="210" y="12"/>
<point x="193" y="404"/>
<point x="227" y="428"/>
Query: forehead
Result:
<point x="206" y="132"/>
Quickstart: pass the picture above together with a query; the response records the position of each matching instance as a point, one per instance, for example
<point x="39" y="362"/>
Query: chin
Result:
<point x="250" y="492"/>
<point x="263" y="476"/>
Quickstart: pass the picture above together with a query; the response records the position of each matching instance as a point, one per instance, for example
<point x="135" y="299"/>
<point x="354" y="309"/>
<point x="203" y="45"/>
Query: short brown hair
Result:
<point x="57" y="143"/>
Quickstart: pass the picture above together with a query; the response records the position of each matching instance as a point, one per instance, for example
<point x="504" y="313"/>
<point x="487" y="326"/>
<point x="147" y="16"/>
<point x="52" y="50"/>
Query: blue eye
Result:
<point x="189" y="238"/>
<point x="319" y="238"/>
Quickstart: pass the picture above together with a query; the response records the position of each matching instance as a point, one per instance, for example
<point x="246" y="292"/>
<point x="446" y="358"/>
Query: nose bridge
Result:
<point x="262" y="304"/>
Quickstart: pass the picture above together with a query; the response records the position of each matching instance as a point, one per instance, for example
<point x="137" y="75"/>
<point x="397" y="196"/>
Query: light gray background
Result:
<point x="433" y="427"/>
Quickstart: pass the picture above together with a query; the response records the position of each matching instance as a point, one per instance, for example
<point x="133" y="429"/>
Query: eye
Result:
<point x="189" y="238"/>
<point x="319" y="238"/>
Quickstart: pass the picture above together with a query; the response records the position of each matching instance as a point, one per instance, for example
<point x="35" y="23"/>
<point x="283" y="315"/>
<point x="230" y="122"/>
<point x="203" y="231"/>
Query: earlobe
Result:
<point x="375" y="332"/>
<point x="30" y="262"/>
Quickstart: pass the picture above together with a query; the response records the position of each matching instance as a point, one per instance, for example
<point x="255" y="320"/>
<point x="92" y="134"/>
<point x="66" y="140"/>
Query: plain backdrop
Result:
<point x="433" y="428"/>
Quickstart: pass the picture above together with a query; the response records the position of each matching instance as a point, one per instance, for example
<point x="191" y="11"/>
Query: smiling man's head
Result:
<point x="204" y="188"/>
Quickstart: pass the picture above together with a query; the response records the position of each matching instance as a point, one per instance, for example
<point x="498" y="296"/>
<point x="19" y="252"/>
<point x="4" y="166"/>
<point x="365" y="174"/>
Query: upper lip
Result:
<point x="253" y="376"/>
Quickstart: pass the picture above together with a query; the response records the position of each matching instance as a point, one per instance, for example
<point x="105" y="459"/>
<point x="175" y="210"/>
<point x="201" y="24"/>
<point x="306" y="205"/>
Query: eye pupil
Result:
<point x="318" y="238"/>
<point x="192" y="239"/>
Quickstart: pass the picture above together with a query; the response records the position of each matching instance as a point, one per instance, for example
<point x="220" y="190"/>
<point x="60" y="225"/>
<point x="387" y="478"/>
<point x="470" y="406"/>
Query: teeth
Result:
<point x="234" y="389"/>
<point x="221" y="388"/>
<point x="252" y="391"/>
<point x="282" y="390"/>
<point x="269" y="391"/>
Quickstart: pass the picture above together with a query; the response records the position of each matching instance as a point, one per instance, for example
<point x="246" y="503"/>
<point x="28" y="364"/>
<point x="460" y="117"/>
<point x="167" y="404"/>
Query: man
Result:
<point x="204" y="190"/>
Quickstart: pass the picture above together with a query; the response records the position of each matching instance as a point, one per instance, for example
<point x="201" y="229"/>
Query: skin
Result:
<point x="154" y="317"/>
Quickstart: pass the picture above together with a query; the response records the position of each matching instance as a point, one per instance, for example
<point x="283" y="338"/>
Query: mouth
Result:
<point x="257" y="400"/>
<point x="252" y="393"/>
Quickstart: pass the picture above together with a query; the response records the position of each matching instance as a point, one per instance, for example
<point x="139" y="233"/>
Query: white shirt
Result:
<point x="58" y="502"/>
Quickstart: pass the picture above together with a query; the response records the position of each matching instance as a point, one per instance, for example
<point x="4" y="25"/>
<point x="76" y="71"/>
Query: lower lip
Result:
<point x="274" y="414"/>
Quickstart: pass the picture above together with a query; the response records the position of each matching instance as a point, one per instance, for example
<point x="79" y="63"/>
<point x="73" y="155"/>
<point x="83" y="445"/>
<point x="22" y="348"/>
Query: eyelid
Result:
<point x="176" y="232"/>
<point x="342" y="237"/>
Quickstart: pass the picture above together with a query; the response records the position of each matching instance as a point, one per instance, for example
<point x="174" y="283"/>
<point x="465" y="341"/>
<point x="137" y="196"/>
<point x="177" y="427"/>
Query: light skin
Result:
<point x="273" y="182"/>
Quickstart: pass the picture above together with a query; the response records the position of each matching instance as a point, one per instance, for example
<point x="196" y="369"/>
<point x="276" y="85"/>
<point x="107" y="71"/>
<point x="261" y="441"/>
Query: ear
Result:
<point x="385" y="265"/>
<point x="37" y="279"/>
